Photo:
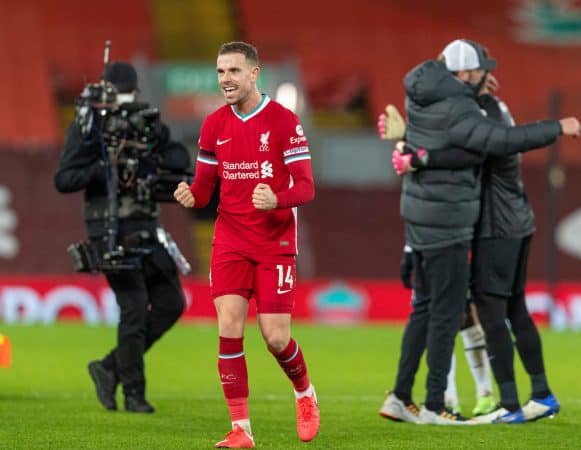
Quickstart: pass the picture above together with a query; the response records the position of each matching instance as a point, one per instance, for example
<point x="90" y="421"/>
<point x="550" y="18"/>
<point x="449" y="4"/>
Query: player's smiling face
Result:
<point x="237" y="78"/>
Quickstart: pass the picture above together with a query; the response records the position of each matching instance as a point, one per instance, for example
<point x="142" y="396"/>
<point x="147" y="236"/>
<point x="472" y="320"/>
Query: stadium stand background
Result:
<point x="350" y="57"/>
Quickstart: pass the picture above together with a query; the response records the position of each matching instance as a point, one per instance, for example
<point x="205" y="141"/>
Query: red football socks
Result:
<point x="234" y="376"/>
<point x="292" y="362"/>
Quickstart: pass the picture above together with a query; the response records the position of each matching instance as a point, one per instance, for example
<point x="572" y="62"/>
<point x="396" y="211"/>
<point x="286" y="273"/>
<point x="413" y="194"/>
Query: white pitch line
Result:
<point x="269" y="397"/>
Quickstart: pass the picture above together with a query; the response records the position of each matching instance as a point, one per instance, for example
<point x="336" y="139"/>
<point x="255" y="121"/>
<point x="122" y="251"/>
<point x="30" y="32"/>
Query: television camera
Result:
<point x="129" y="134"/>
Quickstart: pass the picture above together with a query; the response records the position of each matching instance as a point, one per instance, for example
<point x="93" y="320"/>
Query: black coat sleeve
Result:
<point x="452" y="158"/>
<point x="473" y="131"/>
<point x="80" y="163"/>
<point x="459" y="158"/>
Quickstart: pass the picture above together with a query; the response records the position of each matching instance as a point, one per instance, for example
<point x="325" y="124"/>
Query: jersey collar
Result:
<point x="244" y="117"/>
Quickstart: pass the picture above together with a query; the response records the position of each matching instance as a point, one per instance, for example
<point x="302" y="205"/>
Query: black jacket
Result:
<point x="505" y="210"/>
<point x="81" y="168"/>
<point x="441" y="207"/>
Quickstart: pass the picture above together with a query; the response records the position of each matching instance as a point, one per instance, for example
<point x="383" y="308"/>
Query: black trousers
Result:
<point x="498" y="291"/>
<point x="441" y="282"/>
<point x="150" y="301"/>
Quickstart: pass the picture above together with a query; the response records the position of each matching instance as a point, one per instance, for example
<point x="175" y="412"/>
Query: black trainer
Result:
<point x="135" y="398"/>
<point x="137" y="403"/>
<point x="105" y="384"/>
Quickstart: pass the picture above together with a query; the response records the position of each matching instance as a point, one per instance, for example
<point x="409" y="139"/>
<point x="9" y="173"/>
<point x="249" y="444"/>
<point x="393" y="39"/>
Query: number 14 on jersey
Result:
<point x="285" y="277"/>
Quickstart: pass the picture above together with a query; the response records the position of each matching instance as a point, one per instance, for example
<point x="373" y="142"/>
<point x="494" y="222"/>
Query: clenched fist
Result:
<point x="184" y="196"/>
<point x="570" y="126"/>
<point x="263" y="198"/>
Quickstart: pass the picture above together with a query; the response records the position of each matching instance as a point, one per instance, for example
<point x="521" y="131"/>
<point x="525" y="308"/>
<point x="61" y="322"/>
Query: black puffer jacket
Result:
<point x="441" y="207"/>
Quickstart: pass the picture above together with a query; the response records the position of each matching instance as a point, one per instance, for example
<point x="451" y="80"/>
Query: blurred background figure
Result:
<point x="5" y="351"/>
<point x="119" y="153"/>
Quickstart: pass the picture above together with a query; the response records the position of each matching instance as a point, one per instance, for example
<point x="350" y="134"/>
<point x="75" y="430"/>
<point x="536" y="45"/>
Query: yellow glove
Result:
<point x="390" y="125"/>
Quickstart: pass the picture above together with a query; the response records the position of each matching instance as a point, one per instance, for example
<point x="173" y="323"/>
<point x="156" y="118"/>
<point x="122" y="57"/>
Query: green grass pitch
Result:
<point x="47" y="399"/>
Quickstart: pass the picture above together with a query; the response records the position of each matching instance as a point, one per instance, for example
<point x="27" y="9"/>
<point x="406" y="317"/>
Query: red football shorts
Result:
<point x="270" y="279"/>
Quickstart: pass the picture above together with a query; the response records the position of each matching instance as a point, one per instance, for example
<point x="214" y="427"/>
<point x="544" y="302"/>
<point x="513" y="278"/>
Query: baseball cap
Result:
<point x="122" y="75"/>
<point x="463" y="54"/>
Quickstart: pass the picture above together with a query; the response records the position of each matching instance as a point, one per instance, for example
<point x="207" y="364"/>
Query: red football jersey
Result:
<point x="267" y="146"/>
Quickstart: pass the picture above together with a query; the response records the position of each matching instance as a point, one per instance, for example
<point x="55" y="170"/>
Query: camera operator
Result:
<point x="146" y="284"/>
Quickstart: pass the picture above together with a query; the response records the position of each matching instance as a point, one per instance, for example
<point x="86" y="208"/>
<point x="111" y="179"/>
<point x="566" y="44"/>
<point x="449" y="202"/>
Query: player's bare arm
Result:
<point x="263" y="198"/>
<point x="184" y="196"/>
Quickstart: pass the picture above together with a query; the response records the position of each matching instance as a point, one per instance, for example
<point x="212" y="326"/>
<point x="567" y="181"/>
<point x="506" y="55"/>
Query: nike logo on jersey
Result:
<point x="281" y="291"/>
<point x="219" y="142"/>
